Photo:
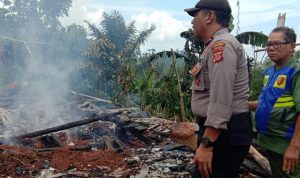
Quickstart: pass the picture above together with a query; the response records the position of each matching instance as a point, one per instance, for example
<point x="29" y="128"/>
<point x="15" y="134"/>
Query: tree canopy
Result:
<point x="114" y="43"/>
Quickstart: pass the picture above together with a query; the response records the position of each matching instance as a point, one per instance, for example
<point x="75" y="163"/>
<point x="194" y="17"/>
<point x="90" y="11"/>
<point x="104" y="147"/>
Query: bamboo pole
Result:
<point x="91" y="97"/>
<point x="22" y="42"/>
<point x="183" y="115"/>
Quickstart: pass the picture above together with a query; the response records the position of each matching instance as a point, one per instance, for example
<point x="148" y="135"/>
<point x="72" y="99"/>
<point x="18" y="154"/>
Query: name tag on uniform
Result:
<point x="196" y="69"/>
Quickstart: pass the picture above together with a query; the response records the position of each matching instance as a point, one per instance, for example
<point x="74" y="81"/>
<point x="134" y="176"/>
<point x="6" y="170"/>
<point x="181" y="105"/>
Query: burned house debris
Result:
<point x="109" y="141"/>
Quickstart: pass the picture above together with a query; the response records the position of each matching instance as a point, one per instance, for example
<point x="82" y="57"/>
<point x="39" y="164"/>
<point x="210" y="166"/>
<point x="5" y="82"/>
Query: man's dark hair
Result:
<point x="222" y="18"/>
<point x="289" y="33"/>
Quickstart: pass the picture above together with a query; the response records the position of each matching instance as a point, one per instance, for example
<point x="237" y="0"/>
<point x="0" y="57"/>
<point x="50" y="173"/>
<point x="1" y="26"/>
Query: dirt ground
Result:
<point x="25" y="162"/>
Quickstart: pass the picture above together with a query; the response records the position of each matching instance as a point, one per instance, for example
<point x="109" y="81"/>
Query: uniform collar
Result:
<point x="292" y="60"/>
<point x="221" y="31"/>
<point x="207" y="43"/>
<point x="217" y="33"/>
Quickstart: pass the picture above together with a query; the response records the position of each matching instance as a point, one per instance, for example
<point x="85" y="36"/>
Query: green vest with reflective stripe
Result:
<point x="276" y="113"/>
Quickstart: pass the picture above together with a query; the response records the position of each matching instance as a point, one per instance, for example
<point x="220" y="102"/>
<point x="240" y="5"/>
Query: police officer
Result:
<point x="219" y="93"/>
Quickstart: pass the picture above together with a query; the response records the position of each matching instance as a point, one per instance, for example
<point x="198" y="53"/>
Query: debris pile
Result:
<point x="108" y="141"/>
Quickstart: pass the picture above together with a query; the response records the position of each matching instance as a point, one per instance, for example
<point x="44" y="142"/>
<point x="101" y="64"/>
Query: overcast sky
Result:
<point x="170" y="19"/>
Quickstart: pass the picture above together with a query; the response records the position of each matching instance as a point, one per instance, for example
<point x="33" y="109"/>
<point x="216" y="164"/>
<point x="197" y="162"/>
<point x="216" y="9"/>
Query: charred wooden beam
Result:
<point x="104" y="117"/>
<point x="49" y="141"/>
<point x="87" y="147"/>
<point x="250" y="165"/>
<point x="137" y="130"/>
<point x="58" y="141"/>
<point x="45" y="149"/>
<point x="108" y="143"/>
<point x="260" y="159"/>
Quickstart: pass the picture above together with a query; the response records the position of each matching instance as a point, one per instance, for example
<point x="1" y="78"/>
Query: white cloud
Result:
<point x="257" y="13"/>
<point x="167" y="32"/>
<point x="95" y="16"/>
<point x="258" y="6"/>
<point x="79" y="13"/>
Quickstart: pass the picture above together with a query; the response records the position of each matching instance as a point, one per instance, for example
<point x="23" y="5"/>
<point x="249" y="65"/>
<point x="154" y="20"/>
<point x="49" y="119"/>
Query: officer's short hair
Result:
<point x="222" y="18"/>
<point x="289" y="33"/>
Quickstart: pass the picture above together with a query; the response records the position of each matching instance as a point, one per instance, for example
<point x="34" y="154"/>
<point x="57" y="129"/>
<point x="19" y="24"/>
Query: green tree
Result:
<point x="192" y="50"/>
<point x="23" y="14"/>
<point x="31" y="28"/>
<point x="162" y="86"/>
<point x="114" y="42"/>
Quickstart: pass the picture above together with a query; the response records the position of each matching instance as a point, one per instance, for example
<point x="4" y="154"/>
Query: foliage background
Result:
<point x="105" y="59"/>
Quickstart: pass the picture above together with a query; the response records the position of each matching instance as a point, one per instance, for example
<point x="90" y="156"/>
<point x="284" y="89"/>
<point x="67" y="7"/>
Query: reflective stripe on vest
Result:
<point x="284" y="102"/>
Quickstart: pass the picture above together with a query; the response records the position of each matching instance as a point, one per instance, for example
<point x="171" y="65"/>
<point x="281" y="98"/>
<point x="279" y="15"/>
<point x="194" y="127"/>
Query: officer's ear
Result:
<point x="210" y="16"/>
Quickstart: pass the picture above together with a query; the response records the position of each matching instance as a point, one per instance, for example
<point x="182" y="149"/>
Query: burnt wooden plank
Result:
<point x="67" y="126"/>
<point x="139" y="135"/>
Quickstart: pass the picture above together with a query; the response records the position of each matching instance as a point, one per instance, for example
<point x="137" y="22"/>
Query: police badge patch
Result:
<point x="196" y="69"/>
<point x="217" y="49"/>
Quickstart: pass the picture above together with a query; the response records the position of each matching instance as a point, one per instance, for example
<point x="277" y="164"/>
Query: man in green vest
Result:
<point x="278" y="107"/>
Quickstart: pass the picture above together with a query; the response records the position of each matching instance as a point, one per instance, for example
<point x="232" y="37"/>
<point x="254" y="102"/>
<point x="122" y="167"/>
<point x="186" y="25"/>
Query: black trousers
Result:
<point x="231" y="147"/>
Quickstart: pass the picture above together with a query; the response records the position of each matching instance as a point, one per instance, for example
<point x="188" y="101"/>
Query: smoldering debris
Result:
<point x="124" y="143"/>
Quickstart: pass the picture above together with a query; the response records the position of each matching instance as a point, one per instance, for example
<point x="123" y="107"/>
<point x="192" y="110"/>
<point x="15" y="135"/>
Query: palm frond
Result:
<point x="114" y="27"/>
<point x="140" y="40"/>
<point x="252" y="38"/>
<point x="100" y="48"/>
<point x="165" y="54"/>
<point x="131" y="30"/>
<point x="95" y="31"/>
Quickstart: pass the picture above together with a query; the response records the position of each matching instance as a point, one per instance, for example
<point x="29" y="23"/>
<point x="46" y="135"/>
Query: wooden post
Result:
<point x="182" y="109"/>
<point x="281" y="20"/>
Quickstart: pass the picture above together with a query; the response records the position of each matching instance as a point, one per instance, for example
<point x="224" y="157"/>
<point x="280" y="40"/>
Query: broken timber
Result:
<point x="137" y="131"/>
<point x="260" y="159"/>
<point x="66" y="126"/>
